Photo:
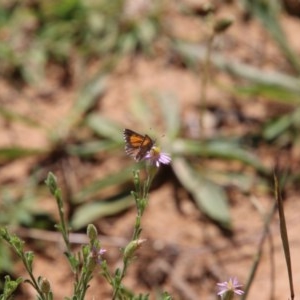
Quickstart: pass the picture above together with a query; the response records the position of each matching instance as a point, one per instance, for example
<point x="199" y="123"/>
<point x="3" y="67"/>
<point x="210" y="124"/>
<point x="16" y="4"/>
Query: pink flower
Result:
<point x="97" y="254"/>
<point x="156" y="157"/>
<point x="231" y="287"/>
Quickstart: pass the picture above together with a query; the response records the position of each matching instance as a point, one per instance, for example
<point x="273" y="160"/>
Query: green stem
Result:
<point x="122" y="275"/>
<point x="64" y="227"/>
<point x="33" y="281"/>
<point x="141" y="198"/>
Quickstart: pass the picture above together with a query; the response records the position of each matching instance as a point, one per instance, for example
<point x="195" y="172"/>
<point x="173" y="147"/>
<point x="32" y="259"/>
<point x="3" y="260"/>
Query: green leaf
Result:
<point x="74" y="262"/>
<point x="12" y="153"/>
<point x="105" y="127"/>
<point x="171" y="114"/>
<point x="6" y="262"/>
<point x="268" y="13"/>
<point x="15" y="117"/>
<point x="218" y="149"/>
<point x="210" y="198"/>
<point x="100" y="184"/>
<point x="241" y="70"/>
<point x="141" y="110"/>
<point x="282" y="124"/>
<point x="9" y="287"/>
<point x="29" y="256"/>
<point x="272" y="92"/>
<point x="90" y="212"/>
<point x="67" y="9"/>
<point x="127" y="42"/>
<point x="277" y="127"/>
<point x="145" y="32"/>
<point x="243" y="181"/>
<point x="90" y="94"/>
<point x="87" y="98"/>
<point x="92" y="147"/>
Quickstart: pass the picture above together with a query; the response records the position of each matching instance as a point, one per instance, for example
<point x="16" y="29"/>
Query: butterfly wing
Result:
<point x="133" y="141"/>
<point x="137" y="145"/>
<point x="146" y="146"/>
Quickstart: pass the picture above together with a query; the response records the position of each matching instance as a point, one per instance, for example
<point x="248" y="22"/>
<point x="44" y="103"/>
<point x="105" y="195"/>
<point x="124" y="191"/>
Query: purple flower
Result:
<point x="97" y="254"/>
<point x="156" y="157"/>
<point x="231" y="287"/>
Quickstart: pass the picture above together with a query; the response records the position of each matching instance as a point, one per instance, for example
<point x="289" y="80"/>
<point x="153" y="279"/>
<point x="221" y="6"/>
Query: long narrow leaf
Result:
<point x="284" y="234"/>
<point x="110" y="180"/>
<point x="272" y="92"/>
<point x="86" y="99"/>
<point x="91" y="212"/>
<point x="234" y="67"/>
<point x="104" y="127"/>
<point x="268" y="13"/>
<point x="171" y="114"/>
<point x="218" y="149"/>
<point x="141" y="110"/>
<point x="93" y="147"/>
<point x="277" y="127"/>
<point x="13" y="116"/>
<point x="11" y="153"/>
<point x="211" y="198"/>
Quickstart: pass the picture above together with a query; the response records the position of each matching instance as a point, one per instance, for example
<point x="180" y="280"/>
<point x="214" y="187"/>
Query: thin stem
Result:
<point x="122" y="275"/>
<point x="137" y="227"/>
<point x="33" y="281"/>
<point x="64" y="226"/>
<point x="259" y="251"/>
<point x="141" y="199"/>
<point x="205" y="79"/>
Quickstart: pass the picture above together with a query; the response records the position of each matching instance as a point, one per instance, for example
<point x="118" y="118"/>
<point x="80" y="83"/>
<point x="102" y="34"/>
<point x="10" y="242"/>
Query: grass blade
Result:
<point x="284" y="234"/>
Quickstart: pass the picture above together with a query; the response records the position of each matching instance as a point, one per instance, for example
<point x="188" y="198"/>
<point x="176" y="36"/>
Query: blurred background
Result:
<point x="216" y="83"/>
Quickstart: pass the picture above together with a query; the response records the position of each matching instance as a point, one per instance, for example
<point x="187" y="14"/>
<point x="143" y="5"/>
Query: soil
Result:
<point x="185" y="253"/>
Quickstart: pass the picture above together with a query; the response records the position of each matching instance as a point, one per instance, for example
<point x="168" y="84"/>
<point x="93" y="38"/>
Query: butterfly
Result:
<point x="137" y="145"/>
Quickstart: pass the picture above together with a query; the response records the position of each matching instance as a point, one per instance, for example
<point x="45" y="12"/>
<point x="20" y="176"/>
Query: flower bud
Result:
<point x="132" y="247"/>
<point x="92" y="232"/>
<point x="45" y="285"/>
<point x="51" y="182"/>
<point x="222" y="25"/>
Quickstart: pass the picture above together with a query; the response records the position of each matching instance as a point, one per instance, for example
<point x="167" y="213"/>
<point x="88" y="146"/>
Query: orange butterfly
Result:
<point x="137" y="145"/>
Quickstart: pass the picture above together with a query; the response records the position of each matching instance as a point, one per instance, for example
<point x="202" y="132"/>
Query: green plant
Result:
<point x="55" y="31"/>
<point x="83" y="263"/>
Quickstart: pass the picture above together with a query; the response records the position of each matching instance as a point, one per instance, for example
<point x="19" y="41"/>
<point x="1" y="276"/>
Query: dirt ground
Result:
<point x="185" y="253"/>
